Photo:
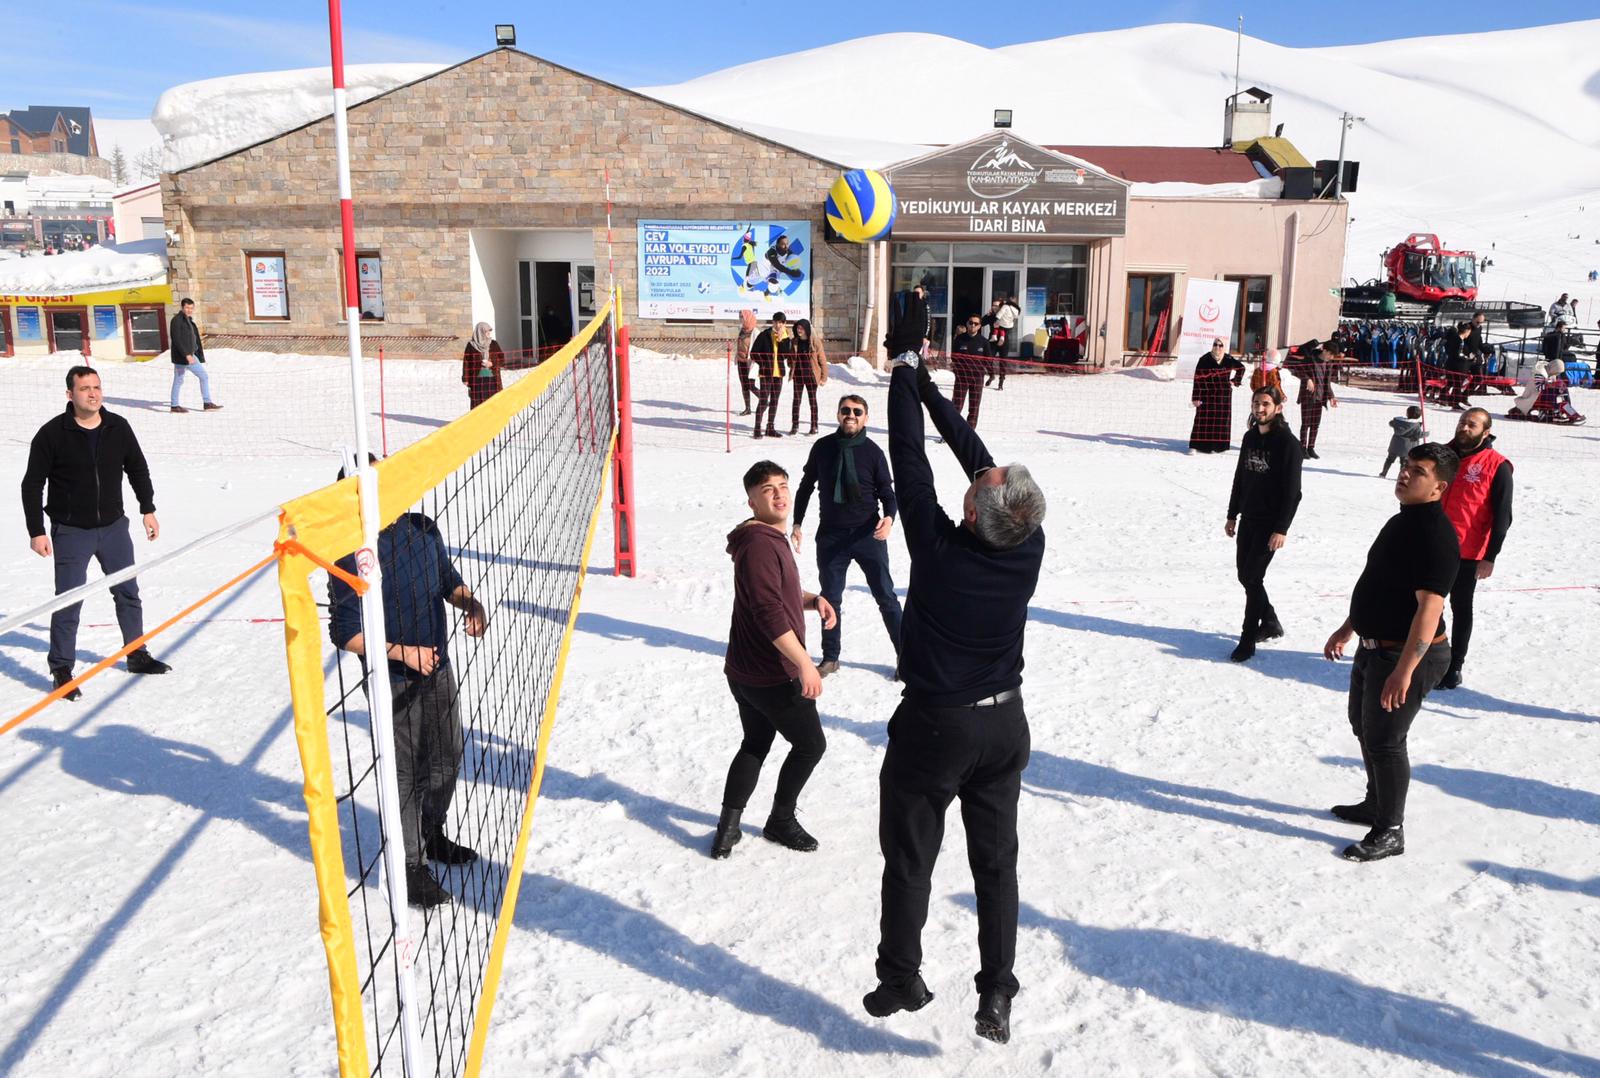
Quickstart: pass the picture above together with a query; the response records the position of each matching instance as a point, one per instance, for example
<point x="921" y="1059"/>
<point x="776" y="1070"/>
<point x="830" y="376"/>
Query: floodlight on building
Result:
<point x="505" y="34"/>
<point x="1002" y="117"/>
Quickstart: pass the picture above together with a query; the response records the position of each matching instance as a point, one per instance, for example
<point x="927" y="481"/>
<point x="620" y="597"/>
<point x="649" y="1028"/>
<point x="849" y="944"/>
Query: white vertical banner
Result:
<point x="1208" y="310"/>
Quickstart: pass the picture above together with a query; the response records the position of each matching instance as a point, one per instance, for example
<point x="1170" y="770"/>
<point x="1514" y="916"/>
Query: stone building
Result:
<point x="480" y="192"/>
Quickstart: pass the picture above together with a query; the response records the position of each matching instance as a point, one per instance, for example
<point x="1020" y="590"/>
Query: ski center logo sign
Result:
<point x="1000" y="185"/>
<point x="715" y="269"/>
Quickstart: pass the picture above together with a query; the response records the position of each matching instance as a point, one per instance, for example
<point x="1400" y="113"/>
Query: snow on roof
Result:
<point x="1271" y="187"/>
<point x="99" y="269"/>
<point x="201" y="121"/>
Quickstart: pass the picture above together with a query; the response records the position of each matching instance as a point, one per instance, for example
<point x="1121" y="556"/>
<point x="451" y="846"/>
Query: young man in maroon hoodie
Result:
<point x="769" y="670"/>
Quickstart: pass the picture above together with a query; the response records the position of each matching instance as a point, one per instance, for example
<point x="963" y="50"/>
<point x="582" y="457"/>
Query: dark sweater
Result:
<point x="967" y="602"/>
<point x="417" y="579"/>
<point x="1266" y="480"/>
<point x="770" y="358"/>
<point x="84" y="473"/>
<point x="1415" y="551"/>
<point x="822" y="467"/>
<point x="767" y="603"/>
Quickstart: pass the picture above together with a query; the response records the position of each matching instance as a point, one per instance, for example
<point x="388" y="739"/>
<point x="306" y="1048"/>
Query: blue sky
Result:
<point x="117" y="57"/>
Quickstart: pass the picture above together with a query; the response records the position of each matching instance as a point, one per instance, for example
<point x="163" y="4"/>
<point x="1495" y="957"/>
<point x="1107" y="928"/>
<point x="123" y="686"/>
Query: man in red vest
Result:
<point x="1478" y="503"/>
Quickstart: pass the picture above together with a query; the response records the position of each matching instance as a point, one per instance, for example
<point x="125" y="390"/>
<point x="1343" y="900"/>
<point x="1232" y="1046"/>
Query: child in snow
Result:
<point x="1408" y="434"/>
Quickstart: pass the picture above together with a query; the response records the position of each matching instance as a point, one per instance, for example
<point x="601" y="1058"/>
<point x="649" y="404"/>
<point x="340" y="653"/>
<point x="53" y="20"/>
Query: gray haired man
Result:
<point x="960" y="731"/>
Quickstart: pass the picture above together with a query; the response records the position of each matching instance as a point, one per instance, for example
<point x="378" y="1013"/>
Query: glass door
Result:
<point x="1005" y="284"/>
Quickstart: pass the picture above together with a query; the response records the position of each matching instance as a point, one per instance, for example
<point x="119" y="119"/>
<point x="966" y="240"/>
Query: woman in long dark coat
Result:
<point x="1216" y="376"/>
<point x="481" y="363"/>
<point x="808" y="368"/>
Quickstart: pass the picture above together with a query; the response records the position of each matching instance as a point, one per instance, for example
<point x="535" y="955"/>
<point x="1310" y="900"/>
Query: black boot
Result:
<point x="1364" y="812"/>
<point x="1380" y="842"/>
<point x="1270" y="629"/>
<point x="142" y="662"/>
<point x="886" y="999"/>
<point x="445" y="851"/>
<point x="728" y="833"/>
<point x="993" y="1020"/>
<point x="1451" y="679"/>
<point x="1246" y="648"/>
<point x="785" y="830"/>
<point x="422" y="890"/>
<point x="61" y="677"/>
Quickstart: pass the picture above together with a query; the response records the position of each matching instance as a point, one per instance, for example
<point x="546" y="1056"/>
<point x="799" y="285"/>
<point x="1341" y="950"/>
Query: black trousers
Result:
<point x="802" y="389"/>
<point x="1310" y="421"/>
<point x="428" y="743"/>
<point x="767" y="400"/>
<point x="1251" y="557"/>
<point x="1382" y="734"/>
<point x="765" y="712"/>
<point x="968" y="388"/>
<point x="1461" y="596"/>
<point x="936" y="754"/>
<point x="747" y="385"/>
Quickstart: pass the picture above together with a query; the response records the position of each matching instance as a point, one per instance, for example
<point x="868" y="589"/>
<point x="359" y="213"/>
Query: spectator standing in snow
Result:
<point x="1478" y="504"/>
<point x="1006" y="317"/>
<point x="1216" y="376"/>
<point x="481" y="363"/>
<point x="741" y="357"/>
<point x="188" y="356"/>
<point x="1266" y="494"/>
<point x="770" y="354"/>
<point x="1563" y="310"/>
<point x="969" y="358"/>
<point x="1408" y="434"/>
<point x="1267" y="373"/>
<point x="82" y="455"/>
<point x="1316" y="390"/>
<point x="768" y="669"/>
<point x="808" y="368"/>
<point x="1456" y="361"/>
<point x="1397" y="612"/>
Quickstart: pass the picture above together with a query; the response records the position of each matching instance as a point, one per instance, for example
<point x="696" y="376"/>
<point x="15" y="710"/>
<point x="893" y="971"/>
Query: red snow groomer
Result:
<point x="1420" y="270"/>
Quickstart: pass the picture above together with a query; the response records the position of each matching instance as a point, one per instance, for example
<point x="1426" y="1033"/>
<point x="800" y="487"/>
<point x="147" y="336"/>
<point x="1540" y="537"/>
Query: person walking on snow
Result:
<point x="188" y="356"/>
<point x="1478" y="505"/>
<point x="1266" y="494"/>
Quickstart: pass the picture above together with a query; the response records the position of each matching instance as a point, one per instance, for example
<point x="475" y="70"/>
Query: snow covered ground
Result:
<point x="1184" y="908"/>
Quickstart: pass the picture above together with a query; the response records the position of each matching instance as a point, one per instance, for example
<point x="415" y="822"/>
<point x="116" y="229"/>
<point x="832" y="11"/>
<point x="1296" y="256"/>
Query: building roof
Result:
<point x="1279" y="151"/>
<point x="1167" y="164"/>
<point x="39" y="119"/>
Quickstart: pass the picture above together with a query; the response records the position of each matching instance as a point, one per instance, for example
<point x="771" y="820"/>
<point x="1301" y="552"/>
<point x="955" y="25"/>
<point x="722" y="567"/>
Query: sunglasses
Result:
<point x="852" y="411"/>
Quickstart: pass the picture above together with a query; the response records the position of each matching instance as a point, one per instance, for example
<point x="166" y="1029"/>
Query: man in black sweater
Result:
<point x="82" y="455"/>
<point x="1266" y="493"/>
<point x="960" y="730"/>
<point x="855" y="484"/>
<point x="969" y="358"/>
<point x="1397" y="611"/>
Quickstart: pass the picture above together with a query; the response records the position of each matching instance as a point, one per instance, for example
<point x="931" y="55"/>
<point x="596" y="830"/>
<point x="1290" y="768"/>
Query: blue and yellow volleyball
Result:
<point x="861" y="206"/>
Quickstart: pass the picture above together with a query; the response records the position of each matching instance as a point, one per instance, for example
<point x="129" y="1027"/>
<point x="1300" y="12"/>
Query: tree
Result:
<point x="119" y="165"/>
<point x="148" y="164"/>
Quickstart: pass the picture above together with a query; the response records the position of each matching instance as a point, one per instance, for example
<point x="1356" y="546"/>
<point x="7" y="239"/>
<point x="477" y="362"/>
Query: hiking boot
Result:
<point x="422" y="890"/>
<point x="772" y="433"/>
<point x="209" y="407"/>
<point x="794" y="430"/>
<point x="886" y="999"/>
<point x="728" y="834"/>
<point x="61" y="677"/>
<point x="1380" y="842"/>
<point x="1364" y="812"/>
<point x="179" y="408"/>
<point x="1245" y="650"/>
<point x="993" y="1020"/>
<point x="1269" y="629"/>
<point x="787" y="832"/>
<point x="1312" y="453"/>
<point x="1451" y="679"/>
<point x="446" y="852"/>
<point x="142" y="662"/>
<point x="827" y="666"/>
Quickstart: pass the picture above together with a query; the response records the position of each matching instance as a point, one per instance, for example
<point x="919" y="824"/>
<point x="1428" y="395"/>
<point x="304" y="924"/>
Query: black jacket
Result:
<point x="909" y="324"/>
<point x="1266" y="480"/>
<point x="822" y="467"/>
<point x="1455" y="349"/>
<point x="184" y="337"/>
<point x="967" y="602"/>
<point x="770" y="359"/>
<point x="85" y="488"/>
<point x="1554" y="344"/>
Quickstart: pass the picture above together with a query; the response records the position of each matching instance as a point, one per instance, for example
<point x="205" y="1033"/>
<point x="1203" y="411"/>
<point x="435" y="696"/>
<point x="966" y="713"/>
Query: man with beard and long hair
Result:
<point x="1478" y="503"/>
<point x="1266" y="493"/>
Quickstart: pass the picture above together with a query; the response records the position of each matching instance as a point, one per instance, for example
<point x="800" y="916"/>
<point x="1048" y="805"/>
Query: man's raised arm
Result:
<point x="963" y="441"/>
<point x="913" y="475"/>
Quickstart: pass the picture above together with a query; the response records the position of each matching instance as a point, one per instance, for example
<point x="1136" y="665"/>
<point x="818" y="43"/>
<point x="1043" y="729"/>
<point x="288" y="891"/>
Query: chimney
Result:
<point x="1246" y="116"/>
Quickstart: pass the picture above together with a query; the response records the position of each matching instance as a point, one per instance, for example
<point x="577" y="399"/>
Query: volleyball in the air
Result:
<point x="861" y="206"/>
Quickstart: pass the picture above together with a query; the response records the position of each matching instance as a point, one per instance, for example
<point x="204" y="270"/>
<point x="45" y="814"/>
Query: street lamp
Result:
<point x="1002" y="117"/>
<point x="505" y="34"/>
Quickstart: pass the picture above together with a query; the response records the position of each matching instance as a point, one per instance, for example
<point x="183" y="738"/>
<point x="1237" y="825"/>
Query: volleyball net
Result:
<point x="487" y="525"/>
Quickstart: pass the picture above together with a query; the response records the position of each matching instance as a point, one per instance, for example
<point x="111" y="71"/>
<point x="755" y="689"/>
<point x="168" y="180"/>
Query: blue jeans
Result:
<point x="196" y="369"/>
<point x="112" y="547"/>
<point x="836" y="549"/>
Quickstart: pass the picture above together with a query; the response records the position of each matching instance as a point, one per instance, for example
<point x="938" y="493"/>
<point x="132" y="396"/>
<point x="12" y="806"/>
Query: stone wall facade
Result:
<point x="503" y="141"/>
<point x="42" y="164"/>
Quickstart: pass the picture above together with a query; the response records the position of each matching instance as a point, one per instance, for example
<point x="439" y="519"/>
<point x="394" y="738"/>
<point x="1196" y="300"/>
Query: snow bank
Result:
<point x="201" y="121"/>
<point x="98" y="269"/>
<point x="1271" y="187"/>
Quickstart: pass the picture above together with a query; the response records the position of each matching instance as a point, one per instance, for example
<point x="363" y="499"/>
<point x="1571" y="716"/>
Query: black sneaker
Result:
<point x="1312" y="453"/>
<point x="1451" y="679"/>
<point x="993" y="1020"/>
<point x="1380" y="842"/>
<point x="142" y="662"/>
<point x="422" y="890"/>
<point x="61" y="677"/>
<point x="886" y="999"/>
<point x="786" y="831"/>
<point x="1364" y="812"/>
<point x="1270" y="629"/>
<point x="446" y="852"/>
<point x="1245" y="650"/>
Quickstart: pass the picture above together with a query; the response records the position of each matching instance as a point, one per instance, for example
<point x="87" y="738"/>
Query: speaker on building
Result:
<point x="1299" y="183"/>
<point x="1325" y="171"/>
<point x="1352" y="169"/>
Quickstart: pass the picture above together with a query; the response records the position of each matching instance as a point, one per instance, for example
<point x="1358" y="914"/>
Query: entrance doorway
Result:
<point x="554" y="300"/>
<point x="69" y="331"/>
<point x="974" y="289"/>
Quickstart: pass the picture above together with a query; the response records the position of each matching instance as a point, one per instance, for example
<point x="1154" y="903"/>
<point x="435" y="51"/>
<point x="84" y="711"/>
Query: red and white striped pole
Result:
<point x="376" y="642"/>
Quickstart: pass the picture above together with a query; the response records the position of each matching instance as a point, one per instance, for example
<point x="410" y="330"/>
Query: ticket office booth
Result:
<point x="128" y="323"/>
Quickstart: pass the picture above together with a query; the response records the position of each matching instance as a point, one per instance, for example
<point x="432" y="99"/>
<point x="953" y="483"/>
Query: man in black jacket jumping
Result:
<point x="82" y="455"/>
<point x="1266" y="493"/>
<point x="960" y="731"/>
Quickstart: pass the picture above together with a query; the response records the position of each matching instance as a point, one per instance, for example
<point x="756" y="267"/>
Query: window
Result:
<point x="985" y="254"/>
<point x="7" y="348"/>
<point x="1250" y="316"/>
<point x="1058" y="254"/>
<point x="144" y="330"/>
<point x="60" y="147"/>
<point x="1063" y="289"/>
<point x="266" y="277"/>
<point x="369" y="289"/>
<point x="68" y="329"/>
<point x="16" y="144"/>
<point x="1149" y="310"/>
<point x="904" y="277"/>
<point x="153" y="228"/>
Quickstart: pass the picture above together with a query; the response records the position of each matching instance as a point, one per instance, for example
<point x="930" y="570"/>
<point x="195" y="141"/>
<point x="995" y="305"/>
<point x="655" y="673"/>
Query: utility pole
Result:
<point x="1238" y="51"/>
<point x="1346" y="122"/>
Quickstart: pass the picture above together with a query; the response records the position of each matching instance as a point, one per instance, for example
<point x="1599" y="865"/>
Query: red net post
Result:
<point x="622" y="471"/>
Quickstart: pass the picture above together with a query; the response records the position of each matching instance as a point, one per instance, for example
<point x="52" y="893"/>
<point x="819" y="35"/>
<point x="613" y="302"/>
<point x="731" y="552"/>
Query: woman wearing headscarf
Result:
<point x="1215" y="378"/>
<point x="481" y="363"/>
<point x="808" y="368"/>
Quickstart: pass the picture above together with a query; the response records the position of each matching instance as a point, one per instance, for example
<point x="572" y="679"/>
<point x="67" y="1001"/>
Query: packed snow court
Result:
<point x="1183" y="906"/>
